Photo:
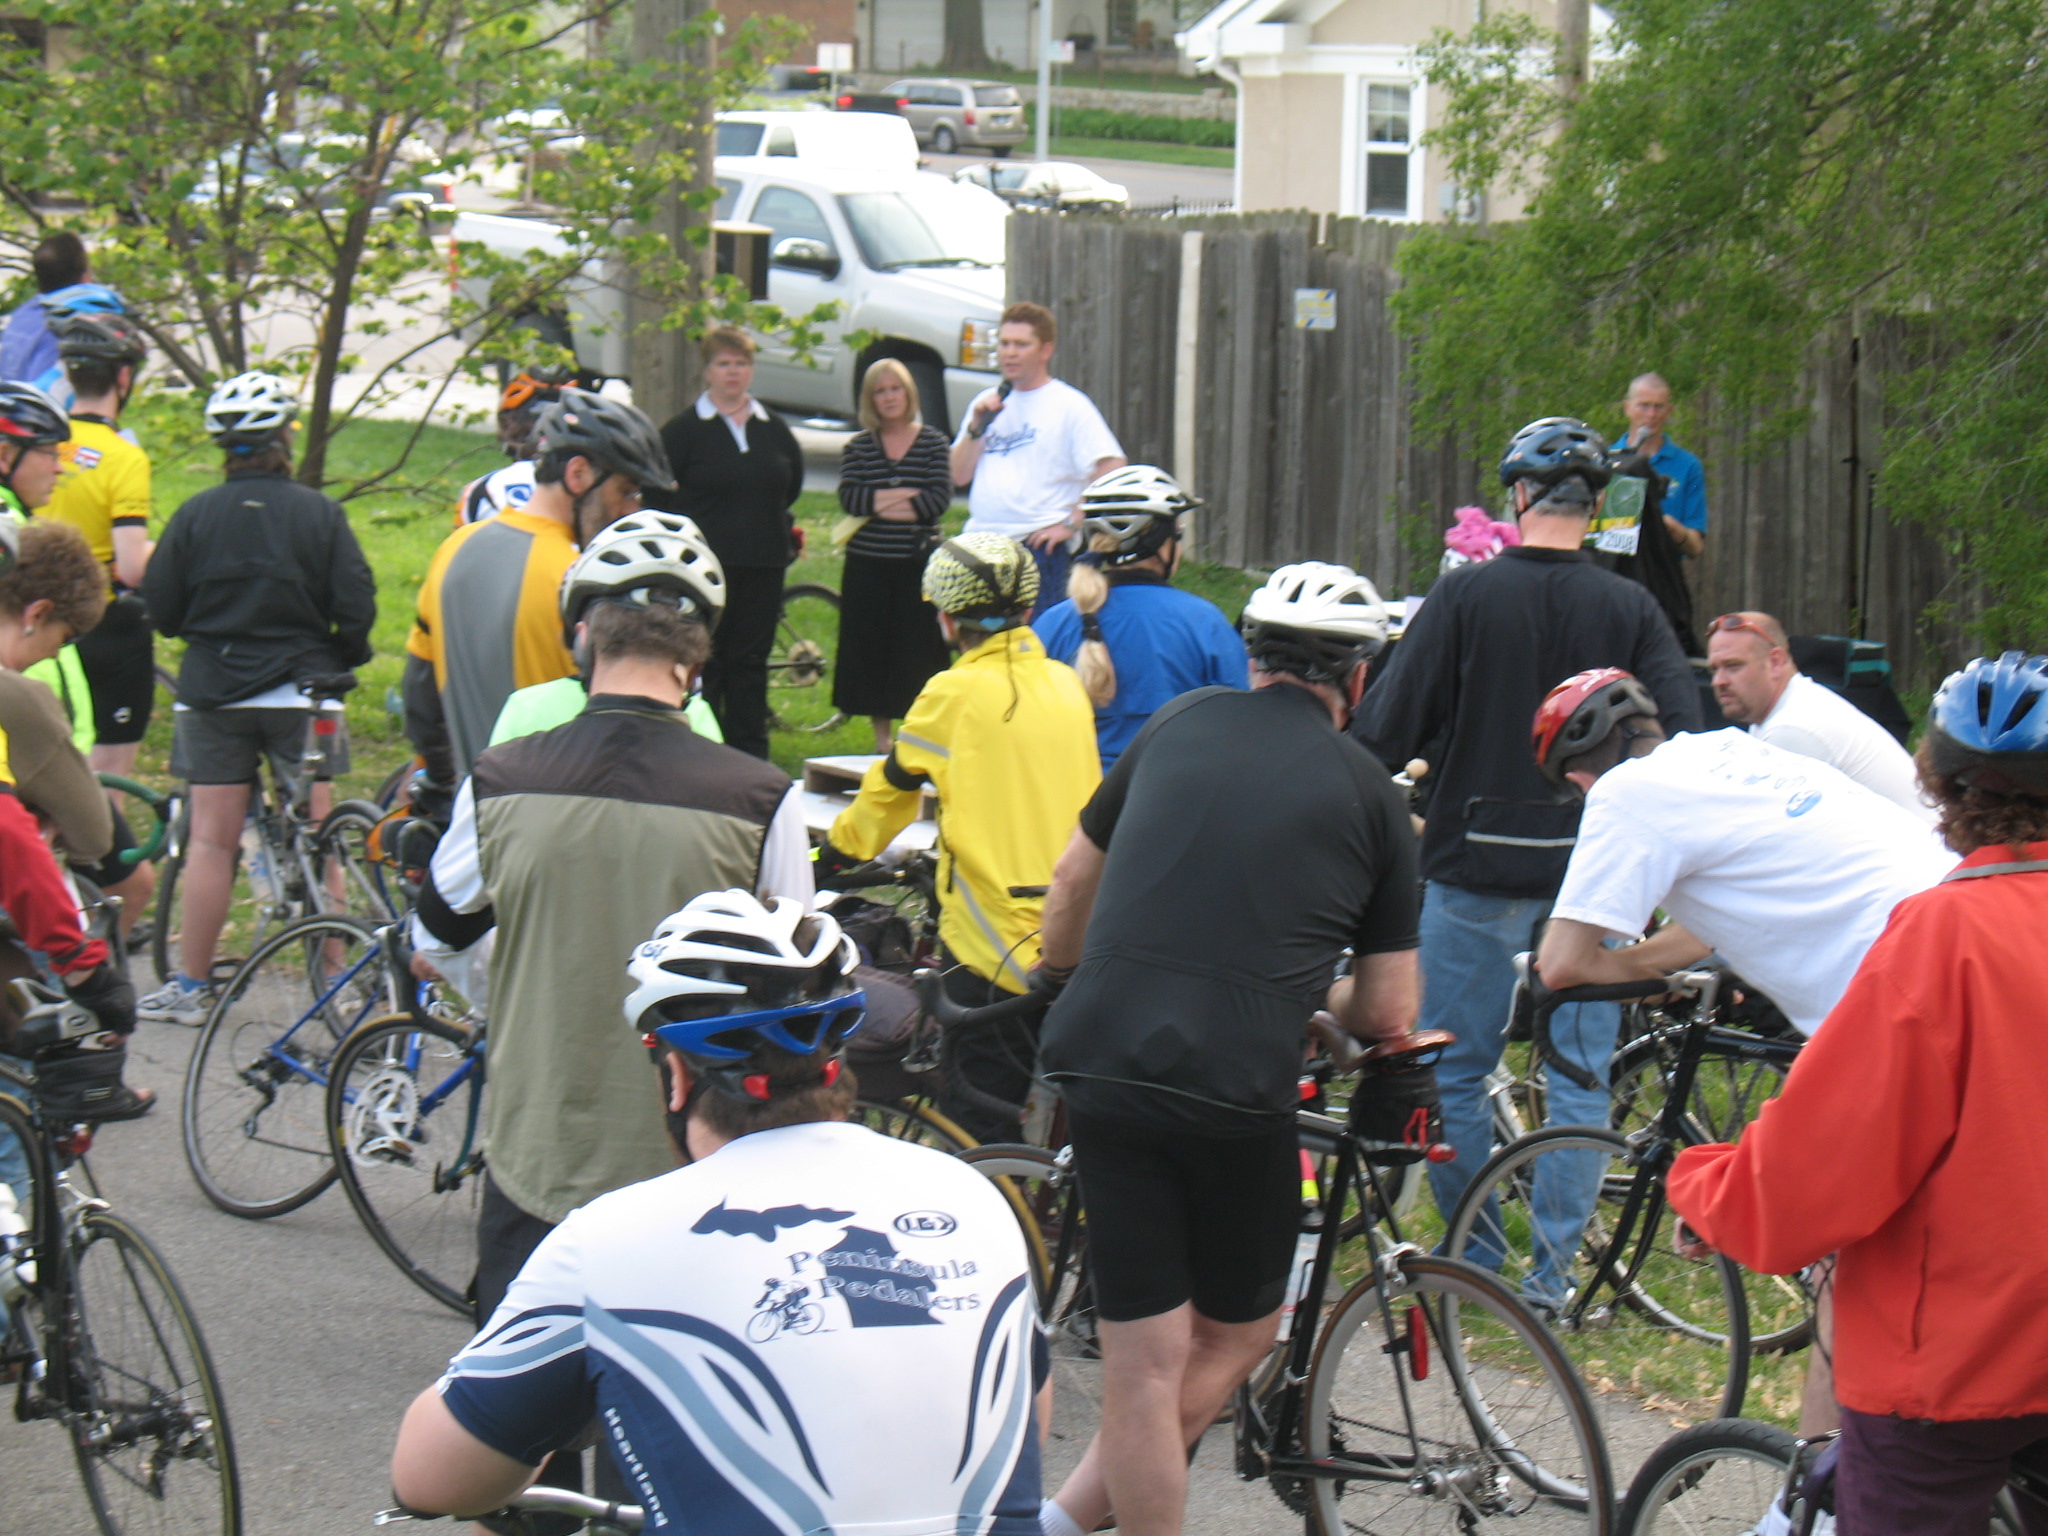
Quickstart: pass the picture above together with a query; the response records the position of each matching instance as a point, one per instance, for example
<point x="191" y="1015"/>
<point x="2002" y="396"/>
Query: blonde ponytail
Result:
<point x="1088" y="589"/>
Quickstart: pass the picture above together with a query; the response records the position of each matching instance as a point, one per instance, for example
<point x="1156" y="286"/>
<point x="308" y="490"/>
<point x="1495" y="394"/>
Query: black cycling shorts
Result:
<point x="1175" y="1218"/>
<point x="119" y="658"/>
<point x="228" y="745"/>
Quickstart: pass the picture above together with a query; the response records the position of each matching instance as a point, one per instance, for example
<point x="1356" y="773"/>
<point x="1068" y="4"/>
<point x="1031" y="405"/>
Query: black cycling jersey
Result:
<point x="1249" y="843"/>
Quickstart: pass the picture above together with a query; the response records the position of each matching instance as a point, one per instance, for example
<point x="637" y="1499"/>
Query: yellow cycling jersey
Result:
<point x="104" y="486"/>
<point x="1006" y="736"/>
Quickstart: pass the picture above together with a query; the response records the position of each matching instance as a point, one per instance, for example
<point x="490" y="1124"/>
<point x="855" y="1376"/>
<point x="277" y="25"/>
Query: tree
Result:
<point x="246" y="169"/>
<point x="966" y="41"/>
<point x="1735" y="180"/>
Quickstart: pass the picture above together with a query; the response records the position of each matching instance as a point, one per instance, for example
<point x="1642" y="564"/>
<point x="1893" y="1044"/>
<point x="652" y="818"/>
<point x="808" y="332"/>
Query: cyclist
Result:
<point x="543" y="706"/>
<point x="487" y="623"/>
<point x="1758" y="684"/>
<point x="1469" y="672"/>
<point x="1134" y="640"/>
<point x="900" y="1402"/>
<point x="1213" y="922"/>
<point x="1006" y="737"/>
<point x="63" y="276"/>
<point x="264" y="580"/>
<point x="519" y="408"/>
<point x="1902" y="1139"/>
<point x="31" y="428"/>
<point x="103" y="492"/>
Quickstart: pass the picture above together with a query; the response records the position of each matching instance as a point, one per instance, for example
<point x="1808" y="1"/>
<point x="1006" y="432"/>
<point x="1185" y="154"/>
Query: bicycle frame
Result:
<point x="276" y="1049"/>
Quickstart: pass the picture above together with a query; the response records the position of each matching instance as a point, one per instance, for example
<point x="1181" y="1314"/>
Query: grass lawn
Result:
<point x="1139" y="149"/>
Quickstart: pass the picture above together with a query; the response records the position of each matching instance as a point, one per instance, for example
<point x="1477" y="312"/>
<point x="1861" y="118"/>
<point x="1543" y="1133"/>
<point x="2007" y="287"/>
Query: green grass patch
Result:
<point x="1132" y="149"/>
<point x="1082" y="77"/>
<point x="1099" y="123"/>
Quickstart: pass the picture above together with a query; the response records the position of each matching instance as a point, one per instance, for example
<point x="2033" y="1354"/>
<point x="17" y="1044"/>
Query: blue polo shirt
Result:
<point x="1164" y="643"/>
<point x="1685" y="483"/>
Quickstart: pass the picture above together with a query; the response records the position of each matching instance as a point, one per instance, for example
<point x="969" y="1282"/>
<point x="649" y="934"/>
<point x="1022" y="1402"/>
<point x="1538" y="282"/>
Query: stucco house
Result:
<point x="1331" y="106"/>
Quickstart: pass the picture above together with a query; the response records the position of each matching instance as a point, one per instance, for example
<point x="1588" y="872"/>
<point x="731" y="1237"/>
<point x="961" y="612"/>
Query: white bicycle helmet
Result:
<point x="727" y="975"/>
<point x="640" y="555"/>
<point x="249" y="410"/>
<point x="1314" y="619"/>
<point x="1138" y="506"/>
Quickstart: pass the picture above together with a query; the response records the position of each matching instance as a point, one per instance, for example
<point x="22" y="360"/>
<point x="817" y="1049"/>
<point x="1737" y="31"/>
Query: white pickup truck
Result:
<point x="911" y="259"/>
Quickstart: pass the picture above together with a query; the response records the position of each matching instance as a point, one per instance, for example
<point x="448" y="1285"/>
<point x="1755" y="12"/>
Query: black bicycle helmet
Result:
<point x="101" y="338"/>
<point x="1557" y="449"/>
<point x="614" y="436"/>
<point x="1989" y="725"/>
<point x="30" y="417"/>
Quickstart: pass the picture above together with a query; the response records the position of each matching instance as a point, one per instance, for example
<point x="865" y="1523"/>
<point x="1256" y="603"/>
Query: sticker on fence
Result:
<point x="1315" y="309"/>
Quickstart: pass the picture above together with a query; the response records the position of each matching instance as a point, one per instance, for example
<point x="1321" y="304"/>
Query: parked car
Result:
<point x="869" y="101"/>
<point x="963" y="114"/>
<point x="913" y="259"/>
<point x="1045" y="184"/>
<point x="880" y="140"/>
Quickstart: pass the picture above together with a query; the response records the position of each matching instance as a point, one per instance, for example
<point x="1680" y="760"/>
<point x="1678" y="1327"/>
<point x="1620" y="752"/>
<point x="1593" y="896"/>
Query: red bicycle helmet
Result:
<point x="1577" y="714"/>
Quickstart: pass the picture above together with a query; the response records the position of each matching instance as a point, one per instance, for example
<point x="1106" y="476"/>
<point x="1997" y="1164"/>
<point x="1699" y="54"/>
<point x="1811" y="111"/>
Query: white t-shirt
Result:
<point x="1815" y="721"/>
<point x="1037" y="457"/>
<point x="1788" y="868"/>
<point x="814" y="1329"/>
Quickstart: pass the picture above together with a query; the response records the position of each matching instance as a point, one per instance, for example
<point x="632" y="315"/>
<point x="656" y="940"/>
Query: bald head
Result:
<point x="1648" y="409"/>
<point x="1654" y="383"/>
<point x="1751" y="663"/>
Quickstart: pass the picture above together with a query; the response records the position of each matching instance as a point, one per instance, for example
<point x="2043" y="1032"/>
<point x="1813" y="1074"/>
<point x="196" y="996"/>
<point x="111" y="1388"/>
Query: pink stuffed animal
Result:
<point x="1478" y="537"/>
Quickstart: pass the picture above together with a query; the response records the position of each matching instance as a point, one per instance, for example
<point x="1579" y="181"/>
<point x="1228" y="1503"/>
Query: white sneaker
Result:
<point x="1774" y="1523"/>
<point x="175" y="1003"/>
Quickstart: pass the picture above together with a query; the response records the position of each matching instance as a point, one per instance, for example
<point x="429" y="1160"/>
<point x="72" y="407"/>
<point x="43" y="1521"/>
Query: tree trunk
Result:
<point x="1574" y="25"/>
<point x="966" y="44"/>
<point x="664" y="363"/>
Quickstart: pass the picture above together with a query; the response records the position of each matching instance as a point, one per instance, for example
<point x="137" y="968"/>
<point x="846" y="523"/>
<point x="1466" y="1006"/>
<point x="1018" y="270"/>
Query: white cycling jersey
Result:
<point x="814" y="1329"/>
<point x="488" y="495"/>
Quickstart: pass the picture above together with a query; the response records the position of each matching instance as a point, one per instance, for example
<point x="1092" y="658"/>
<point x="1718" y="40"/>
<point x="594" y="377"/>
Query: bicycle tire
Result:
<point x="253" y="1111"/>
<point x="142" y="1360"/>
<point x="806" y="637"/>
<point x="164" y="926"/>
<point x="343" y="836"/>
<point x="1045" y="1199"/>
<point x="1680" y="1331"/>
<point x="1705" y="1477"/>
<point x="1518" y="1440"/>
<point x="912" y="1121"/>
<point x="418" y="1208"/>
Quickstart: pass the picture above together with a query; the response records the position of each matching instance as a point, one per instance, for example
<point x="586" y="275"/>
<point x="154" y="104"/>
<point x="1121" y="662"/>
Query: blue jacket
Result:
<point x="1164" y="643"/>
<point x="28" y="347"/>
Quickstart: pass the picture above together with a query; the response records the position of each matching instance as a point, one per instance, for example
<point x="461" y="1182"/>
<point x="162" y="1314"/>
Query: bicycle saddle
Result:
<point x="328" y="685"/>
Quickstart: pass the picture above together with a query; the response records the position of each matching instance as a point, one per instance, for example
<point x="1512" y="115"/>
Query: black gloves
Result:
<point x="832" y="862"/>
<point x="1048" y="981"/>
<point x="106" y="994"/>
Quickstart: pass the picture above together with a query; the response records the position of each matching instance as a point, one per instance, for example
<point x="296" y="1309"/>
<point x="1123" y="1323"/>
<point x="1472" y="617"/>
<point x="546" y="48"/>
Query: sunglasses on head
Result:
<point x="1732" y="622"/>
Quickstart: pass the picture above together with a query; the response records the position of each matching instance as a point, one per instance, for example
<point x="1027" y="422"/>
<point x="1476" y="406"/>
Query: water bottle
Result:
<point x="1298" y="1277"/>
<point x="256" y="860"/>
<point x="15" y="1276"/>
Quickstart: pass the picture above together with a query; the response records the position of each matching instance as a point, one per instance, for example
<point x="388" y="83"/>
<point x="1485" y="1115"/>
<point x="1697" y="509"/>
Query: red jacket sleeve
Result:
<point x="35" y="896"/>
<point x="1869" y="1108"/>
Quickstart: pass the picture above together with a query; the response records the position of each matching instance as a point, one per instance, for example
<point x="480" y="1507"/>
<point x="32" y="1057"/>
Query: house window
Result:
<point x="1121" y="21"/>
<point x="1389" y="146"/>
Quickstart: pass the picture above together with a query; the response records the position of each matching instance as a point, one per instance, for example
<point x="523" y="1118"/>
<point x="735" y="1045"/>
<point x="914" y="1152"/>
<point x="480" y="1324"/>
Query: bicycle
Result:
<point x="784" y="1308"/>
<point x="1572" y="1218"/>
<point x="805" y="650"/>
<point x="93" y="1324"/>
<point x="294" y="867"/>
<point x="1425" y="1397"/>
<point x="600" y="1517"/>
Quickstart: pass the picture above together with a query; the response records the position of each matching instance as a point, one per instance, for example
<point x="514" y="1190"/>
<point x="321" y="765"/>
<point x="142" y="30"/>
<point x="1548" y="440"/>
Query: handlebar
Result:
<point x="543" y="1499"/>
<point x="951" y="1015"/>
<point x="1535" y="1002"/>
<point x="861" y="877"/>
<point x="159" y="804"/>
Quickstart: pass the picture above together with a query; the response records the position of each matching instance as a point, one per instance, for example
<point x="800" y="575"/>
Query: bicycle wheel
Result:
<point x="1047" y="1203"/>
<point x="1661" y="1326"/>
<point x="1731" y="1085"/>
<point x="254" y="1118"/>
<point x="341" y="856"/>
<point x="405" y="1121"/>
<point x="1451" y="1409"/>
<point x="1716" y="1477"/>
<point x="909" y="1120"/>
<point x="800" y="665"/>
<point x="166" y="926"/>
<point x="150" y="1431"/>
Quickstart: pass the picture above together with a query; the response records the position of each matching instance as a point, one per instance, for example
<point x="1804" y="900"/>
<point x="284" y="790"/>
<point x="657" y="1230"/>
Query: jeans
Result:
<point x="1469" y="942"/>
<point x="14" y="1173"/>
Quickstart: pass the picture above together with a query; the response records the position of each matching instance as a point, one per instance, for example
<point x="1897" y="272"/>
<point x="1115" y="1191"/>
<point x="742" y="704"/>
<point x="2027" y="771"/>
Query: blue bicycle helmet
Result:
<point x="1556" y="449"/>
<point x="1989" y="725"/>
<point x="739" y="988"/>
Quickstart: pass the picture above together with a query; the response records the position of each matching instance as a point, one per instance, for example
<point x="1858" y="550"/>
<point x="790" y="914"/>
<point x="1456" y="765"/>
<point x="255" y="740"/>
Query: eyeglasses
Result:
<point x="1732" y="622"/>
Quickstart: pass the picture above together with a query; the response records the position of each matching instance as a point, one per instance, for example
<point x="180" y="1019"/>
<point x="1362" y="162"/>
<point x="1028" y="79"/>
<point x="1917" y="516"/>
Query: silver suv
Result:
<point x="963" y="114"/>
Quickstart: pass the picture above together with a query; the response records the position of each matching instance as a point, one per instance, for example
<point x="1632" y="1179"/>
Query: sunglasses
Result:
<point x="1734" y="622"/>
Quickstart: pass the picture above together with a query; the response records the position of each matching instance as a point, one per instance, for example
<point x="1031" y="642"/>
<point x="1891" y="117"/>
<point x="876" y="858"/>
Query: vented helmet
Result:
<point x="1316" y="620"/>
<point x="646" y="557"/>
<point x="1578" y="713"/>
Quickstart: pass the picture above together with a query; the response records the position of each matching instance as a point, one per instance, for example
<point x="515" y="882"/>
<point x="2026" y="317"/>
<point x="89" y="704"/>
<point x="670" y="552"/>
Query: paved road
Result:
<point x="1146" y="181"/>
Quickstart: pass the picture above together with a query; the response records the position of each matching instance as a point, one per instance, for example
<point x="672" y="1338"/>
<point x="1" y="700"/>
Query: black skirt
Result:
<point x="889" y="640"/>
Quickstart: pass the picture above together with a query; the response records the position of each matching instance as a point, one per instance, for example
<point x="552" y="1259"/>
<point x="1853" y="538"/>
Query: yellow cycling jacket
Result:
<point x="1006" y="736"/>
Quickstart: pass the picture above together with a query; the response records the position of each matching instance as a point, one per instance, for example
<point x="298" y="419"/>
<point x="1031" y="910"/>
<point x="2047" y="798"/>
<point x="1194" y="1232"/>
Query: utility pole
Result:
<point x="664" y="363"/>
<point x="1044" y="112"/>
<point x="1574" y="28"/>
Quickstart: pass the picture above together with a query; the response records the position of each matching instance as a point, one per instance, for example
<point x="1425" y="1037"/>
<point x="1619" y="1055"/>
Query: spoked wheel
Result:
<point x="806" y="640"/>
<point x="255" y="1122"/>
<point x="1542" y="1215"/>
<point x="908" y="1120"/>
<point x="1719" y="1478"/>
<point x="1047" y="1201"/>
<point x="351" y="881"/>
<point x="405" y="1114"/>
<point x="1455" y="1409"/>
<point x="150" y="1432"/>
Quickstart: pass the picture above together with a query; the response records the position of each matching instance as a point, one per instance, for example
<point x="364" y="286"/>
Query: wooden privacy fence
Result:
<point x="1302" y="441"/>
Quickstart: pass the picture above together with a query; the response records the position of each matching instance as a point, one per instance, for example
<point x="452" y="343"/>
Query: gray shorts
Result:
<point x="227" y="746"/>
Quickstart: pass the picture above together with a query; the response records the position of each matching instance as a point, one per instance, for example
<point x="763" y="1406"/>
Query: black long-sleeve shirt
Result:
<point x="926" y="467"/>
<point x="740" y="501"/>
<point x="265" y="581"/>
<point x="1489" y="643"/>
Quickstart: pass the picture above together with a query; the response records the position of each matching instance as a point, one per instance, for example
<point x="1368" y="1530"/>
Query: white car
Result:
<point x="862" y="140"/>
<point x="1044" y="184"/>
<point x="911" y="258"/>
